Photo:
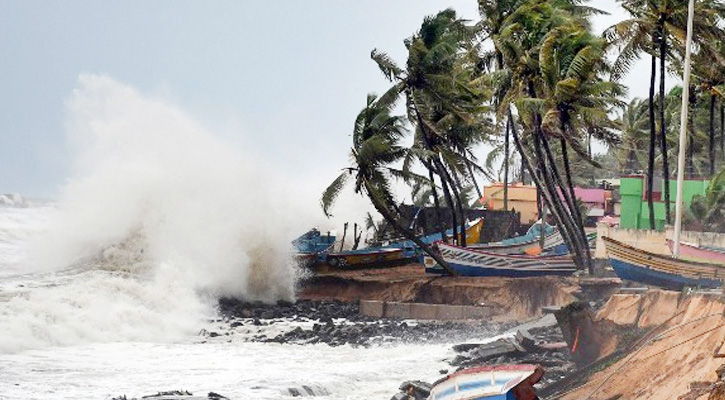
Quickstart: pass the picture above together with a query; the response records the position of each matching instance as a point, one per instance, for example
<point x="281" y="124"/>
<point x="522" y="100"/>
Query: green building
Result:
<point x="635" y="209"/>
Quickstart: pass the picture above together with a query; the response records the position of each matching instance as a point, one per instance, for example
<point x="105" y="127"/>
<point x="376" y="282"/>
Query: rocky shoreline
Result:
<point x="338" y="323"/>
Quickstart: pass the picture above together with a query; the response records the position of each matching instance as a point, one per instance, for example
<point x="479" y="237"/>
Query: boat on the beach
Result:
<point x="374" y="257"/>
<point x="638" y="265"/>
<point x="530" y="243"/>
<point x="499" y="382"/>
<point x="391" y="255"/>
<point x="473" y="233"/>
<point x="700" y="253"/>
<point x="310" y="245"/>
<point x="470" y="262"/>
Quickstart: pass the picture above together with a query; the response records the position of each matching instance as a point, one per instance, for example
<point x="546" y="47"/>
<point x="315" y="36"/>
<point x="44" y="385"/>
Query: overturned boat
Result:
<point x="501" y="382"/>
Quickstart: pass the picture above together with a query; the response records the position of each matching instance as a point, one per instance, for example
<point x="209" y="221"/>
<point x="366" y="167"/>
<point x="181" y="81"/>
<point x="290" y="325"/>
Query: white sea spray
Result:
<point x="159" y="218"/>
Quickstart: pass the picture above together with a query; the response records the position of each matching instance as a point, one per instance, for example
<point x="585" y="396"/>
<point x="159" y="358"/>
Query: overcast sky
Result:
<point x="283" y="78"/>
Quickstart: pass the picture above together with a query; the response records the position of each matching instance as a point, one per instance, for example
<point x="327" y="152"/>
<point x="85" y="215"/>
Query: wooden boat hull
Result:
<point x="637" y="265"/>
<point x="550" y="241"/>
<point x="468" y="262"/>
<point x="696" y="253"/>
<point x="372" y="258"/>
<point x="500" y="382"/>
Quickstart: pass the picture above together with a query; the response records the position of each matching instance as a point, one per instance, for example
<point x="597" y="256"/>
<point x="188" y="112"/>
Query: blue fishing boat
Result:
<point x="470" y="262"/>
<point x="501" y="382"/>
<point x="310" y="245"/>
<point x="637" y="265"/>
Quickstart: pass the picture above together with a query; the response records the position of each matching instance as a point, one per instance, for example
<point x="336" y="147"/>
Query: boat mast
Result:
<point x="683" y="131"/>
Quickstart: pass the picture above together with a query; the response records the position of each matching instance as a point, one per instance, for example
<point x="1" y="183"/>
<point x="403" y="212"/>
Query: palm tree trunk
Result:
<point x="457" y="194"/>
<point x="569" y="197"/>
<point x="473" y="179"/>
<point x="722" y="128"/>
<point x="451" y="204"/>
<point x="567" y="170"/>
<point x="553" y="199"/>
<point x="436" y="202"/>
<point x="543" y="190"/>
<point x="712" y="134"/>
<point x="395" y="222"/>
<point x="663" y="131"/>
<point x="651" y="166"/>
<point x="506" y="167"/>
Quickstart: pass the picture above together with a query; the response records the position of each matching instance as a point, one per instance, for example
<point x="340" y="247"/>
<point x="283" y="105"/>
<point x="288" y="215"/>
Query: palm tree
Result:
<point x="709" y="71"/>
<point x="635" y="36"/>
<point x="709" y="210"/>
<point x="658" y="27"/>
<point x="376" y="146"/>
<point x="634" y="135"/>
<point x="522" y="47"/>
<point x="442" y="104"/>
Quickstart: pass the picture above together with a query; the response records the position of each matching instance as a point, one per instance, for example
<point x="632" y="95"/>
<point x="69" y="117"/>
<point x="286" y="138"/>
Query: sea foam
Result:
<point x="159" y="218"/>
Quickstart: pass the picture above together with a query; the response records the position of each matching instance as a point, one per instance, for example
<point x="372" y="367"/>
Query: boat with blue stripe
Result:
<point x="469" y="262"/>
<point x="641" y="266"/>
<point x="500" y="382"/>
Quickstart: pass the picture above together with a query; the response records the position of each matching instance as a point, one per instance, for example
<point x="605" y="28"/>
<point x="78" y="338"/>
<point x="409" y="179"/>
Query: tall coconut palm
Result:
<point x="521" y="42"/>
<point x="441" y="103"/>
<point x="577" y="100"/>
<point x="658" y="28"/>
<point x="709" y="71"/>
<point x="376" y="146"/>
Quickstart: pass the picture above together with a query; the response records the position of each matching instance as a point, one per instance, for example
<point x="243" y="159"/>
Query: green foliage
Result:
<point x="708" y="211"/>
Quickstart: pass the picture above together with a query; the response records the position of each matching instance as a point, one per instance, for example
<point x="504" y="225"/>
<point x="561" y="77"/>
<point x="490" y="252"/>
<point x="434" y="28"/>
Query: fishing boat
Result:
<point x="310" y="245"/>
<point x="529" y="243"/>
<point x="470" y="262"/>
<point x="638" y="265"/>
<point x="473" y="233"/>
<point x="374" y="257"/>
<point x="700" y="253"/>
<point x="500" y="382"/>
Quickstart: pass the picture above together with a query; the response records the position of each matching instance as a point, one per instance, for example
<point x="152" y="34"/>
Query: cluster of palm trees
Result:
<point x="531" y="74"/>
<point x="658" y="28"/>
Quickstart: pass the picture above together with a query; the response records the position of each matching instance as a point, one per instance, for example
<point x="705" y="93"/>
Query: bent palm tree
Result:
<point x="376" y="145"/>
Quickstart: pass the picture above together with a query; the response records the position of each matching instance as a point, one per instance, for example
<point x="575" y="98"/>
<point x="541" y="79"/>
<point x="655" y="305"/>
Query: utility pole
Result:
<point x="683" y="131"/>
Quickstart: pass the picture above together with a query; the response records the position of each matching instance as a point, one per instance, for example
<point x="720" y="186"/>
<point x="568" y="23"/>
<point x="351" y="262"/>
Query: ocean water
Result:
<point x="105" y="290"/>
<point x="85" y="333"/>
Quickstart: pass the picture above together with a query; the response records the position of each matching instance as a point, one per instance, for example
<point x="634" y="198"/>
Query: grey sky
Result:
<point x="289" y="75"/>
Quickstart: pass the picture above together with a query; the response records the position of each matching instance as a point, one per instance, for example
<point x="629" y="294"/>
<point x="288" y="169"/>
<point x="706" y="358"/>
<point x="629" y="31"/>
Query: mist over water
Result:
<point x="159" y="218"/>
